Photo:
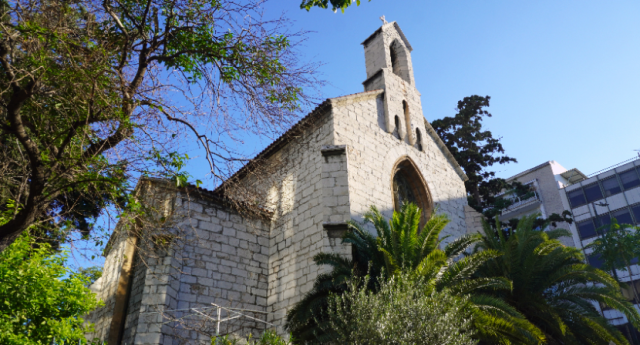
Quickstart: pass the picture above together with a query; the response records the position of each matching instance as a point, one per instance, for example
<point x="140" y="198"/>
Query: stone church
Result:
<point x="239" y="272"/>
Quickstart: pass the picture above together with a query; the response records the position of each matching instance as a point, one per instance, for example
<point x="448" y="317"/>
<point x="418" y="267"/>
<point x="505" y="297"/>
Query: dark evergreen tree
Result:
<point x="474" y="149"/>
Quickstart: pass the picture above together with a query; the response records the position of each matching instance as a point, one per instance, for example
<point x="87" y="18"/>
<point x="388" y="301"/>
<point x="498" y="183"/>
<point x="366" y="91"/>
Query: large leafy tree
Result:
<point x="42" y="300"/>
<point x="402" y="247"/>
<point x="94" y="94"/>
<point x="552" y="286"/>
<point x="474" y="149"/>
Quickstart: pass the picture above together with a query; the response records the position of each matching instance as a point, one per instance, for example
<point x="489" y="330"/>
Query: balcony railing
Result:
<point x="519" y="203"/>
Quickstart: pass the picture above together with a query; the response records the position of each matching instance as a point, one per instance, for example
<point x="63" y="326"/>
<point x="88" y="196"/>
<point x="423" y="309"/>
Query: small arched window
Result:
<point x="418" y="139"/>
<point x="396" y="131"/>
<point x="407" y="119"/>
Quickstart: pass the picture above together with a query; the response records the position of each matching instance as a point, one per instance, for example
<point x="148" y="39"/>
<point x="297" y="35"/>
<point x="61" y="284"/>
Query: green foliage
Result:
<point x="269" y="337"/>
<point x="552" y="286"/>
<point x="474" y="149"/>
<point x="92" y="274"/>
<point x="401" y="247"/>
<point x="86" y="84"/>
<point x="335" y="4"/>
<point x="617" y="245"/>
<point x="38" y="302"/>
<point x="404" y="310"/>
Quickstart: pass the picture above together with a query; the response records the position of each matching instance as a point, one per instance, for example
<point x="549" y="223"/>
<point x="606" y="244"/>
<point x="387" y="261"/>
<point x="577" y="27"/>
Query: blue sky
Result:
<point x="563" y="76"/>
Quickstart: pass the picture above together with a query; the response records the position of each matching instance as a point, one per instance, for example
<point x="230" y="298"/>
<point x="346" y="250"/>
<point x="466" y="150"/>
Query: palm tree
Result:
<point x="401" y="246"/>
<point x="552" y="286"/>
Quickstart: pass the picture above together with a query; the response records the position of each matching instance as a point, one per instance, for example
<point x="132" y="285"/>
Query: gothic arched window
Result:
<point x="418" y="139"/>
<point x="408" y="186"/>
<point x="396" y="131"/>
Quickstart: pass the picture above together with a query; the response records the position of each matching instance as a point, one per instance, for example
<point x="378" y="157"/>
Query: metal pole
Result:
<point x="218" y="323"/>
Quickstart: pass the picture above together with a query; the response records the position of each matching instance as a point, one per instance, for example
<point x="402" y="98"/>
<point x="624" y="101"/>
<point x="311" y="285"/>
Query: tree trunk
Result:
<point x="10" y="231"/>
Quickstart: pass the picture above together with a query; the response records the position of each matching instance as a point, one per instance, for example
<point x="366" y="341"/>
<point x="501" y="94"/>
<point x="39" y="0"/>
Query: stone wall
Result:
<point x="297" y="231"/>
<point x="214" y="256"/>
<point x="373" y="152"/>
<point x="473" y="220"/>
<point x="106" y="287"/>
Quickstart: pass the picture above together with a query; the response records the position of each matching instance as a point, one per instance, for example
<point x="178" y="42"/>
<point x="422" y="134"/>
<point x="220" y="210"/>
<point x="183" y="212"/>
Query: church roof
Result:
<point x="397" y="27"/>
<point x="306" y="121"/>
<point x="281" y="141"/>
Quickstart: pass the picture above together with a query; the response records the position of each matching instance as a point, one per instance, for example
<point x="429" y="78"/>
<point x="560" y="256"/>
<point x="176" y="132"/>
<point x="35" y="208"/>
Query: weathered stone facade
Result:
<point x="341" y="159"/>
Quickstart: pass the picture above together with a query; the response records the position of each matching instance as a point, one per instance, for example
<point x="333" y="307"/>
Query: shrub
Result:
<point x="404" y="311"/>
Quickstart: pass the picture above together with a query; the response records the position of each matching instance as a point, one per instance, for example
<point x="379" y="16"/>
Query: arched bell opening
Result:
<point x="408" y="185"/>
<point x="399" y="60"/>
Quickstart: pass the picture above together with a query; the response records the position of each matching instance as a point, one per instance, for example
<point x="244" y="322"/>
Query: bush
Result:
<point x="269" y="337"/>
<point x="403" y="311"/>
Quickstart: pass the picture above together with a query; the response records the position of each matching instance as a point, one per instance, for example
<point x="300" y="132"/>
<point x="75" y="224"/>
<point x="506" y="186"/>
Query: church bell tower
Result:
<point x="388" y="64"/>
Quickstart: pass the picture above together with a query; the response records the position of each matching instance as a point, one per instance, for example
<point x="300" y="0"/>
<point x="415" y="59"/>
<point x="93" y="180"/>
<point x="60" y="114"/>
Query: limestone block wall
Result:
<point x="378" y="53"/>
<point x="214" y="255"/>
<point x="400" y="93"/>
<point x="223" y="260"/>
<point x="473" y="220"/>
<point x="372" y="154"/>
<point x="297" y="232"/>
<point x="106" y="286"/>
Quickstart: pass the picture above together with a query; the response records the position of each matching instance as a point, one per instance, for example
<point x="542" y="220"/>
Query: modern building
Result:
<point x="545" y="182"/>
<point x="594" y="201"/>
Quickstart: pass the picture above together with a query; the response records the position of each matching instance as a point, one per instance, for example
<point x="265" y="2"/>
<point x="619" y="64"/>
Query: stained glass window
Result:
<point x="402" y="191"/>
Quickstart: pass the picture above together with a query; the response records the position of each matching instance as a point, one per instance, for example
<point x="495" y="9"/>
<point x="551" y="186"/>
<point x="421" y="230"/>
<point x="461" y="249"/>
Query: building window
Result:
<point x="586" y="229"/>
<point x="418" y="139"/>
<point x="636" y="213"/>
<point x="576" y="198"/>
<point x="629" y="179"/>
<point x="407" y="120"/>
<point x="593" y="192"/>
<point x="595" y="260"/>
<point x="622" y="216"/>
<point x="611" y="186"/>
<point x="396" y="131"/>
<point x="402" y="190"/>
<point x="408" y="186"/>
<point x="603" y="220"/>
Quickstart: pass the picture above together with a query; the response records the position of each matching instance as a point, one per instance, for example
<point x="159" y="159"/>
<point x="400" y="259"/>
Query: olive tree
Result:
<point x="404" y="311"/>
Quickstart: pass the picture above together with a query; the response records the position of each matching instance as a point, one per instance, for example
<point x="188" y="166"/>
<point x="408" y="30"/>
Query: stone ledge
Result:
<point x="335" y="229"/>
<point x="333" y="150"/>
